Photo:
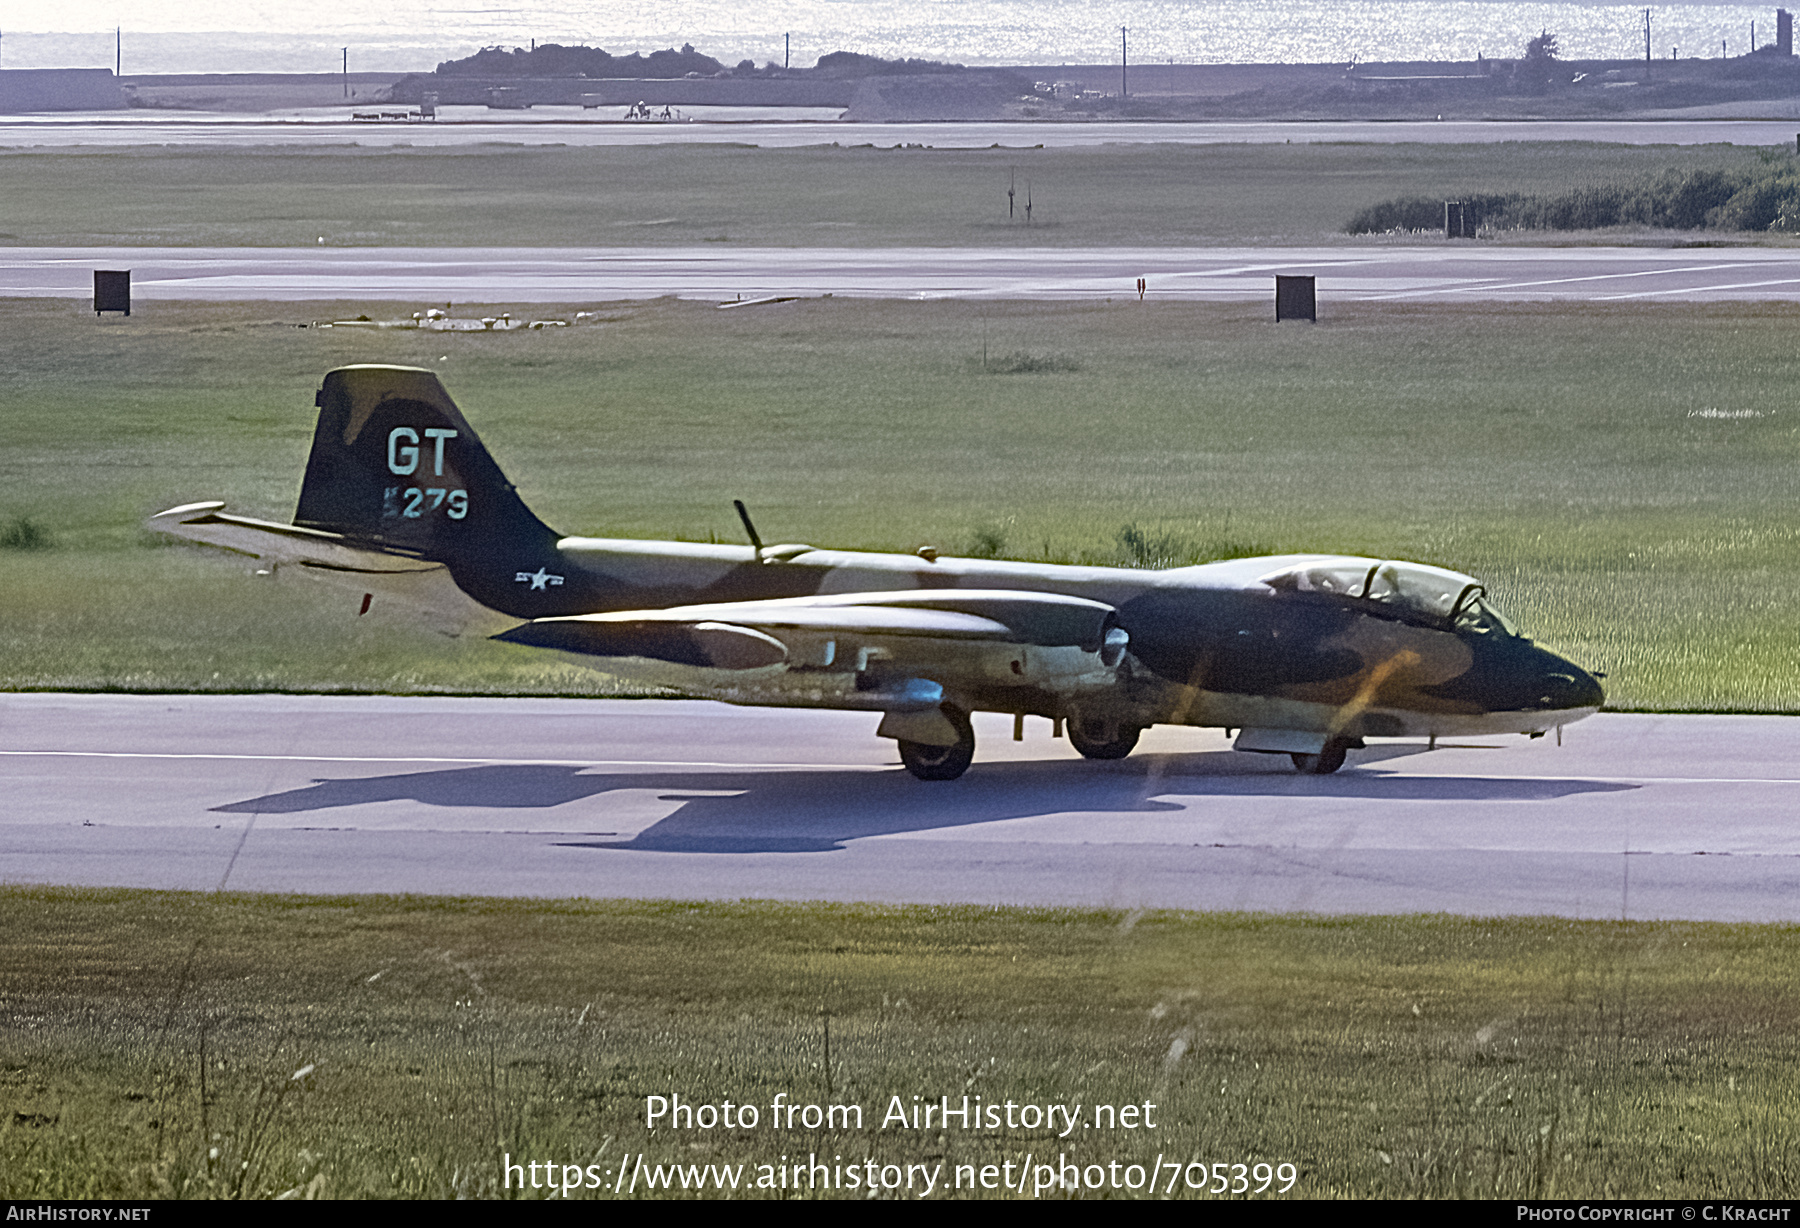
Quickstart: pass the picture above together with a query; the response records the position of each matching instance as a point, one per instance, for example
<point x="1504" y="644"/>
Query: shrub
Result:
<point x="24" y="533"/>
<point x="1755" y="206"/>
<point x="1021" y="363"/>
<point x="1407" y="213"/>
<point x="1586" y="208"/>
<point x="1410" y="213"/>
<point x="1767" y="198"/>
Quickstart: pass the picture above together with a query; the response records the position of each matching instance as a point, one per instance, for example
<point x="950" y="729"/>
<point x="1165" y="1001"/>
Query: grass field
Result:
<point x="178" y="1045"/>
<point x="500" y="195"/>
<point x="1623" y="477"/>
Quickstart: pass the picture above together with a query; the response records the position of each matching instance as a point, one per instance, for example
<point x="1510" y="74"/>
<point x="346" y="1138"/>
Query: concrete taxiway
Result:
<point x="466" y="126"/>
<point x="1633" y="816"/>
<point x="1461" y="272"/>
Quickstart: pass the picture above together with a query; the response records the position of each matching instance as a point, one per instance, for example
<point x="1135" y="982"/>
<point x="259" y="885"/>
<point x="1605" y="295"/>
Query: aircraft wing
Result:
<point x="1046" y="620"/>
<point x="891" y="651"/>
<point x="422" y="589"/>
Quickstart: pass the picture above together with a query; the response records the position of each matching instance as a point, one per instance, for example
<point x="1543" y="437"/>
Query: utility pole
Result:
<point x="787" y="46"/>
<point x="346" y="72"/>
<point x="1124" y="83"/>
<point x="1646" y="44"/>
<point x="118" y="50"/>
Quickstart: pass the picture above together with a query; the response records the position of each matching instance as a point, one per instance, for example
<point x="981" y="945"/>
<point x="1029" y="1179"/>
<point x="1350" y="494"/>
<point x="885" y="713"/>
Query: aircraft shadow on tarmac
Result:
<point x="816" y="811"/>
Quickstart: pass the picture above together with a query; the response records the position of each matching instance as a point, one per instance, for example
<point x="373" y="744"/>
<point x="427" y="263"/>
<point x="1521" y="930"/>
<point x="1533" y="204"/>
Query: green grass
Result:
<point x="1623" y="477"/>
<point x="506" y="195"/>
<point x="1383" y="1057"/>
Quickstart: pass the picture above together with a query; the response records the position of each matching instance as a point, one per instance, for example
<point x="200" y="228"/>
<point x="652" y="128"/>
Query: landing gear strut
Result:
<point x="1098" y="739"/>
<point x="929" y="762"/>
<point x="1324" y="763"/>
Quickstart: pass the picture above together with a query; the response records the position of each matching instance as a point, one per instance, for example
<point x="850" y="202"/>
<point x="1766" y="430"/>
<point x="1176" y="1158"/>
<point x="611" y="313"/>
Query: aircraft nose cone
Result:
<point x="1515" y="675"/>
<point x="1566" y="685"/>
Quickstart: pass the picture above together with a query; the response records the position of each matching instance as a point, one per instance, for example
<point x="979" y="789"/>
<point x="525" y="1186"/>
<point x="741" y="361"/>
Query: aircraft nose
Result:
<point x="1563" y="685"/>
<point x="1515" y="675"/>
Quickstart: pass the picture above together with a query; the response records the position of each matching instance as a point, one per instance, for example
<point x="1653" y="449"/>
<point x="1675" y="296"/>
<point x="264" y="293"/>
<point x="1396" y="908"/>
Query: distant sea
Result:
<point x="166" y="36"/>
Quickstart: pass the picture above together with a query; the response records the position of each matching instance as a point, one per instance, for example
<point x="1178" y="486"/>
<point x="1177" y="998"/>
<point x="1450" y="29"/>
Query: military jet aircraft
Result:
<point x="1303" y="655"/>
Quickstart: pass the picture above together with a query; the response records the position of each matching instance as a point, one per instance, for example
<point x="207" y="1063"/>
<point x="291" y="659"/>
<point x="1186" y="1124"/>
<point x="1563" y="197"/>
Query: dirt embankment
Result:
<point x="1760" y="86"/>
<point x="1764" y="85"/>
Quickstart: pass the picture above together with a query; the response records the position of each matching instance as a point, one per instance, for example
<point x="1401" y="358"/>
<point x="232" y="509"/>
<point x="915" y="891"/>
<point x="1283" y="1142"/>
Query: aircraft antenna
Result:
<point x="744" y="515"/>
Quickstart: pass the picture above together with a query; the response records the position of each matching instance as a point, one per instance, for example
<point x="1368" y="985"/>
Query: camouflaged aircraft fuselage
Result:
<point x="1301" y="654"/>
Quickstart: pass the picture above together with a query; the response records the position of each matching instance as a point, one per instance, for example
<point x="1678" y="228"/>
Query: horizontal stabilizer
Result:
<point x="207" y="524"/>
<point x="376" y="577"/>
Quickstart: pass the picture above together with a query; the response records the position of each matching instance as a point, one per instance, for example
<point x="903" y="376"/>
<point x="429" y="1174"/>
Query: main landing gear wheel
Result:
<point x="1324" y="763"/>
<point x="1097" y="739"/>
<point x="929" y="762"/>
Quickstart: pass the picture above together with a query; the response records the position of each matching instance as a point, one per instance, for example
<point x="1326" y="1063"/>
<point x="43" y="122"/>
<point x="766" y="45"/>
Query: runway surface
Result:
<point x="1461" y="272"/>
<point x="1635" y="816"/>
<point x="572" y="126"/>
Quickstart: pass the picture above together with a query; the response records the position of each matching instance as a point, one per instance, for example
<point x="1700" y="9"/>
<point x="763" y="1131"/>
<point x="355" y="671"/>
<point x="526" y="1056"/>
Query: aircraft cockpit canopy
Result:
<point x="1407" y="589"/>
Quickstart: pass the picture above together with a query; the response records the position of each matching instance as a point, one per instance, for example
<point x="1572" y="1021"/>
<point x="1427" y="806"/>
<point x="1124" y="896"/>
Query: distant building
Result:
<point x="1784" y="32"/>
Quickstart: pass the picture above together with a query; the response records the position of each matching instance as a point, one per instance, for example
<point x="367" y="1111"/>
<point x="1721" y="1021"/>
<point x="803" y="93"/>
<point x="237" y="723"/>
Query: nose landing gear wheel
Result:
<point x="1324" y="763"/>
<point x="929" y="762"/>
<point x="1102" y="739"/>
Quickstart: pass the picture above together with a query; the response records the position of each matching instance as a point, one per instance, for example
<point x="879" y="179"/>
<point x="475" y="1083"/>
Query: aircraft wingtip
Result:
<point x="189" y="509"/>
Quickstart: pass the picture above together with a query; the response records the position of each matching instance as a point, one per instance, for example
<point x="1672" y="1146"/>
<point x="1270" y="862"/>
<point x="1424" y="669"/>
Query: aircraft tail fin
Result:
<point x="395" y="465"/>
